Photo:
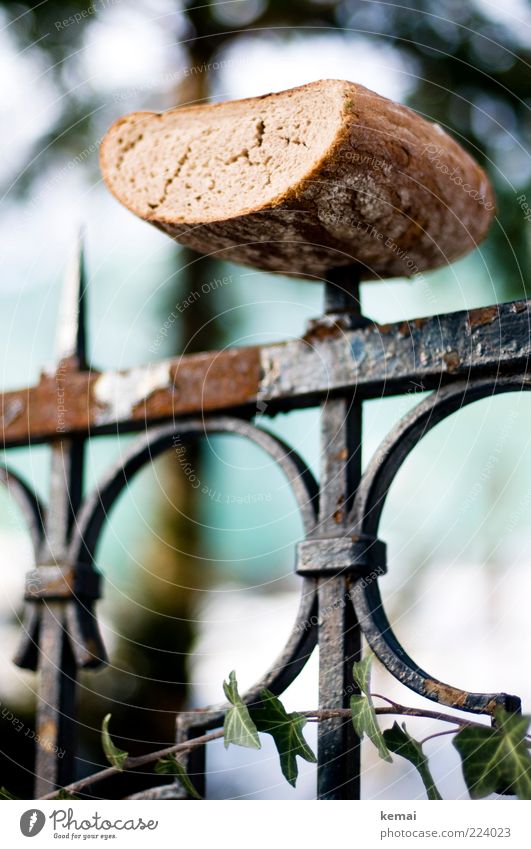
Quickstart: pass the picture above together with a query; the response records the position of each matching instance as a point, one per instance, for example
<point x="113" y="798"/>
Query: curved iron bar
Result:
<point x="365" y="518"/>
<point x="29" y="504"/>
<point x="156" y="441"/>
<point x="150" y="445"/>
<point x="33" y="512"/>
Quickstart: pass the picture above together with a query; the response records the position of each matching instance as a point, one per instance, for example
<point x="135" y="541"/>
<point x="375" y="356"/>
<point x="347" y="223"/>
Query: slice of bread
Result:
<point x="302" y="181"/>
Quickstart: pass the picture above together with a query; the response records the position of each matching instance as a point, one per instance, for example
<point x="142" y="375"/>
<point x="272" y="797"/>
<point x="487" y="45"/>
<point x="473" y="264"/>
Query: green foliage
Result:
<point x="171" y="766"/>
<point x="5" y="794"/>
<point x="116" y="757"/>
<point x="239" y="728"/>
<point x="242" y="725"/>
<point x="286" y="731"/>
<point x="361" y="672"/>
<point x="365" y="723"/>
<point x="399" y="742"/>
<point x="362" y="709"/>
<point x="496" y="760"/>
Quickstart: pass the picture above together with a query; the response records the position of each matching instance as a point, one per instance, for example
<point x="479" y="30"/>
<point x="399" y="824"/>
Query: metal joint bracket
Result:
<point x="62" y="581"/>
<point x="362" y="555"/>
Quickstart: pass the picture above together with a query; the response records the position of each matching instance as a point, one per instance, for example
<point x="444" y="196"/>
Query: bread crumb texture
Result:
<point x="301" y="181"/>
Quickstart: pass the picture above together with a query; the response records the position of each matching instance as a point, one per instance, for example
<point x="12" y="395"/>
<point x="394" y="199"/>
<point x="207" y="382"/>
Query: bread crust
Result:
<point x="392" y="193"/>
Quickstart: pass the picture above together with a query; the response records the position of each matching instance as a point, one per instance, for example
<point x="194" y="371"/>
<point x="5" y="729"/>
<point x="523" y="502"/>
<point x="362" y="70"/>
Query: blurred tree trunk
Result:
<point x="158" y="643"/>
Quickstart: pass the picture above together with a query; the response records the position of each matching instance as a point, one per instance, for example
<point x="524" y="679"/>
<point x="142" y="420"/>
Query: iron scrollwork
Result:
<point x="341" y="557"/>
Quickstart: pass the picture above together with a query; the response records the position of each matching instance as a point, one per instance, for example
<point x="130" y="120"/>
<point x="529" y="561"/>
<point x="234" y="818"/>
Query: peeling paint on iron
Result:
<point x="270" y="373"/>
<point x="118" y="393"/>
<point x="11" y="412"/>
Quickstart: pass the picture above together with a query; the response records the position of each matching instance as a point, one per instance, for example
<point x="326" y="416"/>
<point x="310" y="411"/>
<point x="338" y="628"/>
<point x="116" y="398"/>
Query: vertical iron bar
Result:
<point x="54" y="752"/>
<point x="55" y="723"/>
<point x="338" y="774"/>
<point x="56" y="705"/>
<point x="342" y="290"/>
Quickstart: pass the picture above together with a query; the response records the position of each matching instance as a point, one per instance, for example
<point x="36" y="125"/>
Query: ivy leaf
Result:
<point x="64" y="794"/>
<point x="5" y="794"/>
<point x="239" y="728"/>
<point x="116" y="757"/>
<point x="362" y="709"/>
<point x="286" y="731"/>
<point x="399" y="741"/>
<point x="361" y="672"/>
<point x="364" y="721"/>
<point x="496" y="760"/>
<point x="171" y="766"/>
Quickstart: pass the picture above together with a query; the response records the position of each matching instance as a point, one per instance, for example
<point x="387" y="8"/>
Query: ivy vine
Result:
<point x="494" y="759"/>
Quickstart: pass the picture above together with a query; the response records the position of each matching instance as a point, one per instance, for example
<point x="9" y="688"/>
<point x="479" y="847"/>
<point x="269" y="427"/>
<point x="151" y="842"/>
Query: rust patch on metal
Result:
<point x="482" y="316"/>
<point x="334" y="325"/>
<point x="452" y="361"/>
<point x="445" y="694"/>
<point x="339" y="514"/>
<point x="47" y="735"/>
<point x="211" y="381"/>
<point x="319" y="331"/>
<point x="71" y="402"/>
<point x="406" y="327"/>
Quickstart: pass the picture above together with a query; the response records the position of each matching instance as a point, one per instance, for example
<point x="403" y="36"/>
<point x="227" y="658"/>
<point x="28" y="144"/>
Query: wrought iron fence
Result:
<point x="343" y="360"/>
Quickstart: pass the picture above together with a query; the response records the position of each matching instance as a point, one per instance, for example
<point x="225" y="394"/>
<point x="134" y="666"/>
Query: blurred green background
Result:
<point x="198" y="584"/>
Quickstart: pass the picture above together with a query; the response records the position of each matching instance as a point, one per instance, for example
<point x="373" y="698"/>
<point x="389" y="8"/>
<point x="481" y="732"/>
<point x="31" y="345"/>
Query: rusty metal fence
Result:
<point x="343" y="360"/>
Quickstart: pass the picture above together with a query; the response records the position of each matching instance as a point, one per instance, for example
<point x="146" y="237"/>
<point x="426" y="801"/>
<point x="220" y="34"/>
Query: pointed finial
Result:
<point x="71" y="330"/>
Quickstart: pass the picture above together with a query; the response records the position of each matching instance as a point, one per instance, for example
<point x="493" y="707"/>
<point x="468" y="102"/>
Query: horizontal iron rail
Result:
<point x="374" y="359"/>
